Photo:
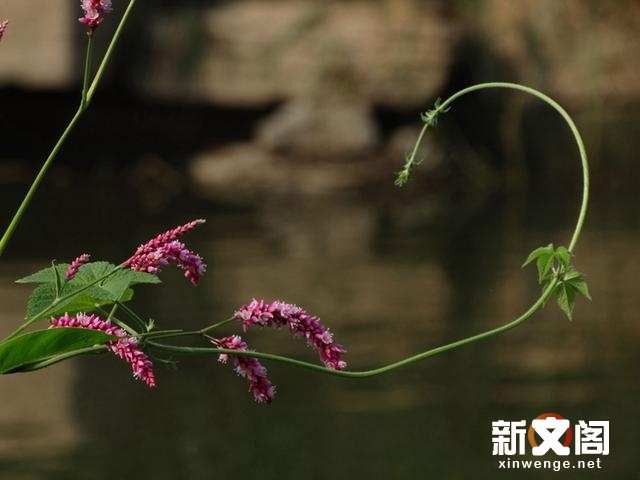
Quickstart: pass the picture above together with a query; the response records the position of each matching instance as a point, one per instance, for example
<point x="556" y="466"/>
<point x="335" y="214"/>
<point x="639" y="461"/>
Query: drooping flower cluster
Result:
<point x="166" y="249"/>
<point x="278" y="314"/>
<point x="125" y="347"/>
<point x="94" y="12"/>
<point x="3" y="27"/>
<point x="247" y="367"/>
<point x="76" y="264"/>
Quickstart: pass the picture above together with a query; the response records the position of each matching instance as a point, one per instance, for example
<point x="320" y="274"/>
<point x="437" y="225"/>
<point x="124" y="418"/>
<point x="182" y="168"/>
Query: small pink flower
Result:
<point x="76" y="264"/>
<point x="166" y="249"/>
<point x="279" y="314"/>
<point x="3" y="27"/>
<point x="247" y="367"/>
<point x="125" y="347"/>
<point x="94" y="12"/>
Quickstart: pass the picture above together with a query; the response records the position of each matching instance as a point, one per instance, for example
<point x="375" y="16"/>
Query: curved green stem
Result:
<point x="84" y="104"/>
<point x="539" y="303"/>
<point x="364" y="373"/>
<point x="549" y="101"/>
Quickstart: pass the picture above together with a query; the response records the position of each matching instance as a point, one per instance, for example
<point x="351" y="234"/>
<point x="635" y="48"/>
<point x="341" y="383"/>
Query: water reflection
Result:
<point x="387" y="289"/>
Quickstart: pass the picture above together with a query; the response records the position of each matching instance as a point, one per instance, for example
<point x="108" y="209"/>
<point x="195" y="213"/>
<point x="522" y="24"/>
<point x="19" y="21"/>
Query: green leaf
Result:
<point x="579" y="285"/>
<point x="566" y="300"/>
<point x="116" y="287"/>
<point x="564" y="256"/>
<point x="45" y="275"/>
<point x="570" y="274"/>
<point x="40" y="299"/>
<point x="548" y="250"/>
<point x="44" y="296"/>
<point x="544" y="263"/>
<point x="42" y="344"/>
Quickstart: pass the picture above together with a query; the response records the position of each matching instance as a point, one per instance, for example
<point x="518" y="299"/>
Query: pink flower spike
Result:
<point x="125" y="347"/>
<point x="166" y="249"/>
<point x="247" y="367"/>
<point x="279" y="314"/>
<point x="76" y="264"/>
<point x="94" y="12"/>
<point x="3" y="27"/>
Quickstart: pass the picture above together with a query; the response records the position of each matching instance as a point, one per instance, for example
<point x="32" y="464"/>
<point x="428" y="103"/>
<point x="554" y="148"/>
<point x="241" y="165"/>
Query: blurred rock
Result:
<point x="581" y="50"/>
<point x="306" y="128"/>
<point x="398" y="51"/>
<point x="246" y="173"/>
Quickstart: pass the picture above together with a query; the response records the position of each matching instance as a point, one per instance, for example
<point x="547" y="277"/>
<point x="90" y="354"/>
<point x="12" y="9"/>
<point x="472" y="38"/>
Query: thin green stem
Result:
<point x="365" y="373"/>
<point x="113" y="311"/>
<point x="165" y="333"/>
<point x="204" y="330"/>
<point x="84" y="103"/>
<point x="184" y="333"/>
<point x="87" y="69"/>
<point x="110" y="49"/>
<point x="133" y="315"/>
<point x="548" y="100"/>
<point x="17" y="217"/>
<point x="117" y="321"/>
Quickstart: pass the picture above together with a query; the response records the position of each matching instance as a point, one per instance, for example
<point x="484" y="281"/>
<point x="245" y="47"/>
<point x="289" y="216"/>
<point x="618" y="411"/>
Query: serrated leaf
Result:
<point x="566" y="300"/>
<point x="42" y="344"/>
<point x="114" y="286"/>
<point x="571" y="274"/>
<point x="548" y="250"/>
<point x="579" y="285"/>
<point x="40" y="299"/>
<point x="44" y="296"/>
<point x="45" y="275"/>
<point x="544" y="264"/>
<point x="564" y="256"/>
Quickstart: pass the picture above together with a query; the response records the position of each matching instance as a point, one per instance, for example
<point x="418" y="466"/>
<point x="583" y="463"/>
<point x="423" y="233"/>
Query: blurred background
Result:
<point x="282" y="122"/>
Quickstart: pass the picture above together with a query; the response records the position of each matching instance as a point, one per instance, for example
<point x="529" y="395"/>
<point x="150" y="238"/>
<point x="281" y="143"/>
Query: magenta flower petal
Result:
<point x="165" y="249"/>
<point x="94" y="12"/>
<point x="125" y="347"/>
<point x="3" y="27"/>
<point x="76" y="264"/>
<point x="279" y="314"/>
<point x="247" y="367"/>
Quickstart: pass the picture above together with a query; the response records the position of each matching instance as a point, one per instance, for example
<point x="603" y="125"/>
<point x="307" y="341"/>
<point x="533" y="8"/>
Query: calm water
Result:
<point x="389" y="284"/>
